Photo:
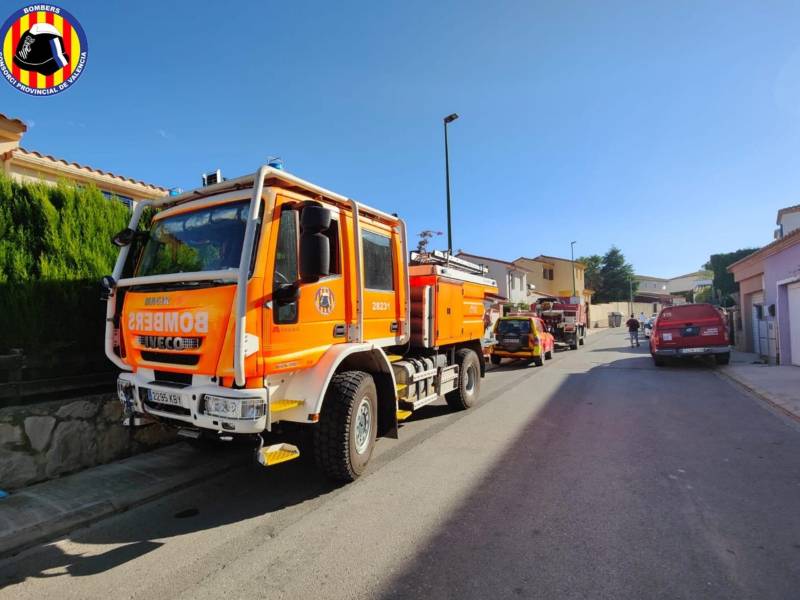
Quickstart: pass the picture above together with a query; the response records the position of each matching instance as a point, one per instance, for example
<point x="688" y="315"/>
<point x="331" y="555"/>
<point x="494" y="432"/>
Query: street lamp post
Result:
<point x="448" y="119"/>
<point x="630" y="294"/>
<point x="572" y="257"/>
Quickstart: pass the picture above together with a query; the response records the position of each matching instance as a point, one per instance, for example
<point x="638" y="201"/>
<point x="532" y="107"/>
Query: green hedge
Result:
<point x="54" y="247"/>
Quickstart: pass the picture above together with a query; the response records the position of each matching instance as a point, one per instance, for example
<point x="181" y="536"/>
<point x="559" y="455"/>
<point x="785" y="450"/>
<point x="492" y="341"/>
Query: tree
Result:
<point x="724" y="285"/>
<point x="424" y="238"/>
<point x="615" y="278"/>
<point x="591" y="277"/>
<point x="702" y="295"/>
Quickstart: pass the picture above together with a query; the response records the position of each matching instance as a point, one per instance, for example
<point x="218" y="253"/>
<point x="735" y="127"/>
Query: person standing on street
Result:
<point x="633" y="329"/>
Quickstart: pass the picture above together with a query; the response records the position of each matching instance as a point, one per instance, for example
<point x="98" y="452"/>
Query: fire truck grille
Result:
<point x="162" y="342"/>
<point x="171" y="359"/>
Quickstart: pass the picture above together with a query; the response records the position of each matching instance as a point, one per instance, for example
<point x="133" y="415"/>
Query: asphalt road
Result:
<point x="597" y="476"/>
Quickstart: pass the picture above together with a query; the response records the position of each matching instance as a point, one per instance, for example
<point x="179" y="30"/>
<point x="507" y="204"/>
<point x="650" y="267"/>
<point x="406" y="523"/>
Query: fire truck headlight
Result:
<point x="234" y="408"/>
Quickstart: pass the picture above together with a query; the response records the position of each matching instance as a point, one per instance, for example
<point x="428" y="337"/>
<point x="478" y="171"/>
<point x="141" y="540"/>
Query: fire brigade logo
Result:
<point x="44" y="50"/>
<point x="324" y="301"/>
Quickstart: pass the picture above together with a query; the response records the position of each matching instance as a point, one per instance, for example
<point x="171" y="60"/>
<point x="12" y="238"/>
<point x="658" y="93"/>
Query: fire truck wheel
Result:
<point x="348" y="425"/>
<point x="496" y="360"/>
<point x="469" y="380"/>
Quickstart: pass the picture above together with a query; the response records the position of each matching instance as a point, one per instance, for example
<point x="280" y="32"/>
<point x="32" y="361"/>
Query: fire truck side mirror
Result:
<point x="315" y="246"/>
<point x="286" y="294"/>
<point x="124" y="237"/>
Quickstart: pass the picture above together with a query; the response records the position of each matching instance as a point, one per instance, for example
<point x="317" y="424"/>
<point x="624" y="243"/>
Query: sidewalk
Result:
<point x="777" y="385"/>
<point x="46" y="510"/>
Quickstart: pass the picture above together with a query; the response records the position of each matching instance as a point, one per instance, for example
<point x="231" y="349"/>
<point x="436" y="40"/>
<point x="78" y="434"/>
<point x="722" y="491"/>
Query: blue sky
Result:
<point x="671" y="129"/>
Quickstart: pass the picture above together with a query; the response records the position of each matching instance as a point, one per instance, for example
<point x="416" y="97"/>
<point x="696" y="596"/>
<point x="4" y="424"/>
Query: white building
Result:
<point x="788" y="221"/>
<point x="512" y="282"/>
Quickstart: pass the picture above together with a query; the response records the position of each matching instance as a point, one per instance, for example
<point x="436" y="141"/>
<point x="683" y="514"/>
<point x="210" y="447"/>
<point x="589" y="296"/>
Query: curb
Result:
<point x="761" y="395"/>
<point x="45" y="511"/>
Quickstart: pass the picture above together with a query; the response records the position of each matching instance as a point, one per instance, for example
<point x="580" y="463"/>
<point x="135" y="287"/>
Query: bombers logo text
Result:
<point x="43" y="50"/>
<point x="168" y="321"/>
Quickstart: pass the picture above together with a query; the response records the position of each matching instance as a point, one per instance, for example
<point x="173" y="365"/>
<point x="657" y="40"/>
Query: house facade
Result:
<point x="512" y="282"/>
<point x="30" y="166"/>
<point x="769" y="296"/>
<point x="553" y="276"/>
<point x="691" y="282"/>
<point x="788" y="221"/>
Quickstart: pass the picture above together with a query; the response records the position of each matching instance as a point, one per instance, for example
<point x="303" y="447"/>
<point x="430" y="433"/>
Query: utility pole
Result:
<point x="630" y="294"/>
<point x="448" y="119"/>
<point x="572" y="257"/>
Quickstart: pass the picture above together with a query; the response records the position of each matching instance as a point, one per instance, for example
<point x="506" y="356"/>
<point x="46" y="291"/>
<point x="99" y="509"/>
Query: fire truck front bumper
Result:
<point x="207" y="406"/>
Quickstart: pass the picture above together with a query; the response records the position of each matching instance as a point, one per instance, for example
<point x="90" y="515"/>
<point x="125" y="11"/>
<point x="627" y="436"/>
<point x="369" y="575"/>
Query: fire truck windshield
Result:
<point x="207" y="239"/>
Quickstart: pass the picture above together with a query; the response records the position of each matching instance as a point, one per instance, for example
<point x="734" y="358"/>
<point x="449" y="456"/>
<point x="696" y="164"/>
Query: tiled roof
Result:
<point x="90" y="169"/>
<point x="545" y="258"/>
<point x="788" y="240"/>
<point x="15" y="121"/>
<point x="497" y="260"/>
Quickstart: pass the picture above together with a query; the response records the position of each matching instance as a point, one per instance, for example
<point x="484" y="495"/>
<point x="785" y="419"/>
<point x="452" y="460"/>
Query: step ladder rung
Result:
<point x="277" y="453"/>
<point x="282" y="405"/>
<point x="402" y="415"/>
<point x="394" y="357"/>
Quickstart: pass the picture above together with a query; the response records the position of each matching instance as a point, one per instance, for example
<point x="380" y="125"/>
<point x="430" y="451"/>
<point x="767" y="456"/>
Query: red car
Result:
<point x="690" y="330"/>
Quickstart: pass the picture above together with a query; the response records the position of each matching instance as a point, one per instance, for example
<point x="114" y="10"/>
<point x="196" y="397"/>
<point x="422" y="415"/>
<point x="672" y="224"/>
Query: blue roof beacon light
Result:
<point x="276" y="162"/>
<point x="176" y="191"/>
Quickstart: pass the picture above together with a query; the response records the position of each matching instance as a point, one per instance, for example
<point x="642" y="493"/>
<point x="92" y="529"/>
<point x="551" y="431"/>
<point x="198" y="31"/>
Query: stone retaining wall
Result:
<point x="46" y="440"/>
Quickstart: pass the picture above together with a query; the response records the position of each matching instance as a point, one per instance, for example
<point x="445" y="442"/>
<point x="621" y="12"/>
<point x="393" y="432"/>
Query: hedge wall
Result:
<point x="54" y="247"/>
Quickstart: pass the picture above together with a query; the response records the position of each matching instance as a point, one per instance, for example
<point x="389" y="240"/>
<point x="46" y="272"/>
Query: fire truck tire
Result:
<point x="345" y="435"/>
<point x="496" y="360"/>
<point x="469" y="380"/>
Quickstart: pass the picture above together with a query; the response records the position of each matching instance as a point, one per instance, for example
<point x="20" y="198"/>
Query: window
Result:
<point x="126" y="200"/>
<point x="547" y="273"/>
<point x="378" y="272"/>
<point x="285" y="272"/>
<point x="513" y="326"/>
<point x="207" y="239"/>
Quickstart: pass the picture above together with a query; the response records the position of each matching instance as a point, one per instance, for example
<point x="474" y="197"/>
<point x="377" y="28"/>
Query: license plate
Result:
<point x="690" y="331"/>
<point x="692" y="350"/>
<point x="667" y="337"/>
<point x="165" y="397"/>
<point x="509" y="340"/>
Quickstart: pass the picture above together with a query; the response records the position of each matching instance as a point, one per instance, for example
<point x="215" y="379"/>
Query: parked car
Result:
<point x="522" y="336"/>
<point x="690" y="330"/>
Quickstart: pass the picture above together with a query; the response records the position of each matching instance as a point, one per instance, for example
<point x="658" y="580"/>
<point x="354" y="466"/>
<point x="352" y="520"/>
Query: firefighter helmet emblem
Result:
<point x="44" y="50"/>
<point x="324" y="300"/>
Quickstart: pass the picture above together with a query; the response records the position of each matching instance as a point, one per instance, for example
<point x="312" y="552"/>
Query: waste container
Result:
<point x="614" y="319"/>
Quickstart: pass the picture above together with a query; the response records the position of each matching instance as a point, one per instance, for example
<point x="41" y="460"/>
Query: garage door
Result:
<point x="794" y="322"/>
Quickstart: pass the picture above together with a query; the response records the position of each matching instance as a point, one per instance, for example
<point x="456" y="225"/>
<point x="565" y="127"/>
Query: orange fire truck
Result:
<point x="267" y="300"/>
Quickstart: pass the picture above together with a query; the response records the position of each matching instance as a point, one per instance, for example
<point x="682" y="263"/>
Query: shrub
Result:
<point x="54" y="247"/>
